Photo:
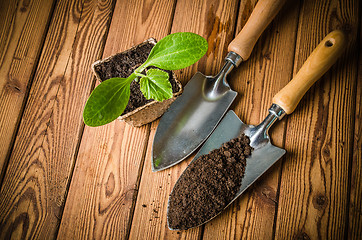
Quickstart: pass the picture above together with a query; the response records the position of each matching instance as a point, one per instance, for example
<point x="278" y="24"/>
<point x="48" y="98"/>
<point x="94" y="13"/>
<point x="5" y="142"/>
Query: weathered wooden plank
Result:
<point x="214" y="20"/>
<point x="101" y="197"/>
<point x="34" y="188"/>
<point x="257" y="80"/>
<point x="313" y="192"/>
<point x="22" y="32"/>
<point x="355" y="205"/>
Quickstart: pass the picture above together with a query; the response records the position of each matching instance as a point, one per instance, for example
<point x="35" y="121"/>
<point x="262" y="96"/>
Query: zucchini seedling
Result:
<point x="110" y="98"/>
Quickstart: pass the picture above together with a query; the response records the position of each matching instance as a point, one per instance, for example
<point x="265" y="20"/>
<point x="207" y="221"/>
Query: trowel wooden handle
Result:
<point x="321" y="59"/>
<point x="262" y="15"/>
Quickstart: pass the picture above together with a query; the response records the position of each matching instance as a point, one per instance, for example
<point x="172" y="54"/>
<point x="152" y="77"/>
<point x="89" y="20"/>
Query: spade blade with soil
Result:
<point x="196" y="113"/>
<point x="215" y="178"/>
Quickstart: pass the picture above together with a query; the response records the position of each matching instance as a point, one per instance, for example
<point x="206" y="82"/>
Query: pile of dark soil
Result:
<point x="122" y="65"/>
<point x="208" y="184"/>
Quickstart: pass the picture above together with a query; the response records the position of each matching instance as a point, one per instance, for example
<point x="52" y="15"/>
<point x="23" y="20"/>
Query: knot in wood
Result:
<point x="319" y="201"/>
<point x="301" y="236"/>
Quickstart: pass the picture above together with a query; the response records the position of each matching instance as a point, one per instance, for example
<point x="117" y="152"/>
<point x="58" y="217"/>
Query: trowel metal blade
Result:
<point x="263" y="156"/>
<point x="188" y="122"/>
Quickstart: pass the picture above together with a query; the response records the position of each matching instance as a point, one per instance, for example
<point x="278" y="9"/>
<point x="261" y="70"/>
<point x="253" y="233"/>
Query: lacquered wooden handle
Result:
<point x="321" y="59"/>
<point x="262" y="15"/>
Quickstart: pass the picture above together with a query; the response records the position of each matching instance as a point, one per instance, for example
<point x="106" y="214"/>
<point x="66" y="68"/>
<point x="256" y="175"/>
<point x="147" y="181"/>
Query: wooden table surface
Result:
<point x="61" y="179"/>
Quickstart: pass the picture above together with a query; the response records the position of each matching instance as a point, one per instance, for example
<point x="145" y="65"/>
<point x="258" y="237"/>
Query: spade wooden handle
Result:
<point x="262" y="15"/>
<point x="321" y="59"/>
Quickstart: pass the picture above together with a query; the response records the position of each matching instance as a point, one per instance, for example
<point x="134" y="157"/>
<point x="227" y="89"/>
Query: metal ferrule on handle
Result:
<point x="234" y="58"/>
<point x="275" y="113"/>
<point x="218" y="86"/>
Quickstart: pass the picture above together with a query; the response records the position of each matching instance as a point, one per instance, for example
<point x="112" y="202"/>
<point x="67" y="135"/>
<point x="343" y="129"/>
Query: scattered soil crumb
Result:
<point x="144" y="205"/>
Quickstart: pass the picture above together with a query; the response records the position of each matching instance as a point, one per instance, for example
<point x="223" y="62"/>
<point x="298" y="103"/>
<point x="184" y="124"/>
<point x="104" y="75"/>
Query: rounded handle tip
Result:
<point x="320" y="60"/>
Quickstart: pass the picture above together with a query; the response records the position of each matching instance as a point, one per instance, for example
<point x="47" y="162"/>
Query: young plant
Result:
<point x="175" y="51"/>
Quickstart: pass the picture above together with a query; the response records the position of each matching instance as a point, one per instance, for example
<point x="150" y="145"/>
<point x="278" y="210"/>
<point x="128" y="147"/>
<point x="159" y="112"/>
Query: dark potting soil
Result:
<point x="208" y="184"/>
<point x="122" y="65"/>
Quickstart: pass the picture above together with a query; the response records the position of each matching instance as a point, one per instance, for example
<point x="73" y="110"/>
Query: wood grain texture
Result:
<point x="104" y="185"/>
<point x="355" y="205"/>
<point x="313" y="192"/>
<point x="61" y="182"/>
<point x="34" y="189"/>
<point x="7" y="17"/>
<point x="149" y="220"/>
<point x="215" y="21"/>
<point x="268" y="69"/>
<point x="104" y="188"/>
<point x="22" y="31"/>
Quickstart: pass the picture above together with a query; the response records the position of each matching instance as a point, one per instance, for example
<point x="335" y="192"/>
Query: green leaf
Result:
<point x="176" y="51"/>
<point x="107" y="101"/>
<point x="156" y="85"/>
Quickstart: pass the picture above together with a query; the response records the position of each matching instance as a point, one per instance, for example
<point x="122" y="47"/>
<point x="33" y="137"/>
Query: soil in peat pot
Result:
<point x="122" y="65"/>
<point x="208" y="184"/>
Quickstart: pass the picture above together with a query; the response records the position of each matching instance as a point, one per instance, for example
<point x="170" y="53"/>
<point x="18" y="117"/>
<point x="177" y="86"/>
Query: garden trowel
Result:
<point x="285" y="101"/>
<point x="195" y="114"/>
